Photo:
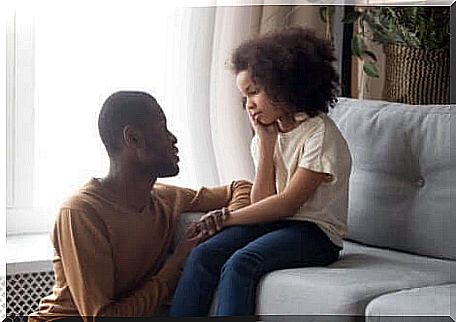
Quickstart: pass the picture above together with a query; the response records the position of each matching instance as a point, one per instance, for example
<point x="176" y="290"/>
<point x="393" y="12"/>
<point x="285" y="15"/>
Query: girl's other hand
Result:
<point x="213" y="222"/>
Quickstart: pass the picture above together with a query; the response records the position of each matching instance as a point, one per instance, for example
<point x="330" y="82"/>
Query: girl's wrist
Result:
<point x="225" y="214"/>
<point x="226" y="217"/>
<point x="267" y="147"/>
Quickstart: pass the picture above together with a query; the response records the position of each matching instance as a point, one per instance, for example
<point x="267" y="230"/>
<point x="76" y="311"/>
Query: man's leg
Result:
<point x="292" y="244"/>
<point x="201" y="273"/>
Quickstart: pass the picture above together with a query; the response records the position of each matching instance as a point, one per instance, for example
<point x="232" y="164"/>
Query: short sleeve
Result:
<point x="318" y="154"/>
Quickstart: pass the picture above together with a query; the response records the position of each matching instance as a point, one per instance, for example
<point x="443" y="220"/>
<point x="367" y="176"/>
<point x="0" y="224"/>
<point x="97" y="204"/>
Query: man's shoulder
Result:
<point x="85" y="199"/>
<point x="83" y="209"/>
<point x="78" y="201"/>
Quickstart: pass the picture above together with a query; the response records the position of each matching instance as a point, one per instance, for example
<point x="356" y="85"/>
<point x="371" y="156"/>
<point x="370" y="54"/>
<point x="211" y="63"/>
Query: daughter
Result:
<point x="298" y="213"/>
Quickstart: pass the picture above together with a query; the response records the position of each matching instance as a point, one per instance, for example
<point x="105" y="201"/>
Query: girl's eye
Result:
<point x="244" y="102"/>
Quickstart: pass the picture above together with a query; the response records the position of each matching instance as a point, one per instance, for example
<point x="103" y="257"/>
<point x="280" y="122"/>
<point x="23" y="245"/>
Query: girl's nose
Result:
<point x="250" y="104"/>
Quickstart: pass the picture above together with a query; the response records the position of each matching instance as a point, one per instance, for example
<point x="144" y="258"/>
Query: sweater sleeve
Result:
<point x="234" y="196"/>
<point x="89" y="270"/>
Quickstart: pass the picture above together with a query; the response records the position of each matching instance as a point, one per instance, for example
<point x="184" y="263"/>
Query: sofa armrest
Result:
<point x="184" y="221"/>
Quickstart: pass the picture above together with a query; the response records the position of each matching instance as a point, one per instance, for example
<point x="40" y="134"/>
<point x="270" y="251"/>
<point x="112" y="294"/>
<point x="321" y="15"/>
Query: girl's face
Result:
<point x="256" y="101"/>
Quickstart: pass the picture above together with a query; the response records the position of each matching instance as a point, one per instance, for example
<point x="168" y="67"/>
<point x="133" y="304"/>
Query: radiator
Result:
<point x="25" y="290"/>
<point x="2" y="296"/>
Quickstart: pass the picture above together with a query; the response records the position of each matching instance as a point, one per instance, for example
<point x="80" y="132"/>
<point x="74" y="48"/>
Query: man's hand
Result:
<point x="193" y="236"/>
<point x="213" y="222"/>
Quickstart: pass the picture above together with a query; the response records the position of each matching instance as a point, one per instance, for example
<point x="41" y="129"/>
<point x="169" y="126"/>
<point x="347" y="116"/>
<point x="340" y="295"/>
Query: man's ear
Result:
<point x="132" y="137"/>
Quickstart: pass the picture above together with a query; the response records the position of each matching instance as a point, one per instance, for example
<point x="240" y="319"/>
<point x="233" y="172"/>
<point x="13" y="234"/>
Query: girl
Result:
<point x="298" y="213"/>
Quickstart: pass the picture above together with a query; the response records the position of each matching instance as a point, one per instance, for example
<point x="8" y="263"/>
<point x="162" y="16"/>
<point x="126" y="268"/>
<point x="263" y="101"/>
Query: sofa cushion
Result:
<point x="403" y="174"/>
<point x="347" y="286"/>
<point x="423" y="301"/>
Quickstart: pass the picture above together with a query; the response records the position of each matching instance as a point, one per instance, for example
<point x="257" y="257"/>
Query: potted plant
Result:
<point x="416" y="42"/>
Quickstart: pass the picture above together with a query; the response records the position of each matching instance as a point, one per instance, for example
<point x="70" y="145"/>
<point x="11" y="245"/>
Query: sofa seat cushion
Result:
<point x="422" y="301"/>
<point x="347" y="286"/>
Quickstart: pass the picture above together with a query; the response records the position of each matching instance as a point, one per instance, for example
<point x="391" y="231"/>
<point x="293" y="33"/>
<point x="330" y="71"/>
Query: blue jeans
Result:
<point x="236" y="258"/>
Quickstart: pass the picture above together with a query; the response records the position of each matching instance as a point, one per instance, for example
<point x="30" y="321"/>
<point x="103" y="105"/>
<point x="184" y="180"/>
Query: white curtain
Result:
<point x="83" y="51"/>
<point x="231" y="133"/>
<point x="192" y="56"/>
<point x="218" y="130"/>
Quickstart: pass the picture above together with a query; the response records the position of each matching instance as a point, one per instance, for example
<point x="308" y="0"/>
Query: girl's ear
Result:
<point x="132" y="138"/>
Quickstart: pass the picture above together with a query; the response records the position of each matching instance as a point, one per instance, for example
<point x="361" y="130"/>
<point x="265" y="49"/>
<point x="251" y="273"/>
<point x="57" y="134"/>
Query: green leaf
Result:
<point x="357" y="46"/>
<point x="370" y="69"/>
<point x="422" y="27"/>
<point x="371" y="55"/>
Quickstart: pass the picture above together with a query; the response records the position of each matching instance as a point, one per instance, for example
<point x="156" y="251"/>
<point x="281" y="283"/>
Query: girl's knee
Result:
<point x="200" y="254"/>
<point x="203" y="258"/>
<point x="244" y="262"/>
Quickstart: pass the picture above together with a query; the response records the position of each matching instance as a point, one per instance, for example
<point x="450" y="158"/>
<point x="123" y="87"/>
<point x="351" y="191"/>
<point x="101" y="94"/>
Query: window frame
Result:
<point x="21" y="215"/>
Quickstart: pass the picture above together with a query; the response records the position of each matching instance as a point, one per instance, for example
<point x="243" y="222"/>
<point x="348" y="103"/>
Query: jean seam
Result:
<point x="252" y="283"/>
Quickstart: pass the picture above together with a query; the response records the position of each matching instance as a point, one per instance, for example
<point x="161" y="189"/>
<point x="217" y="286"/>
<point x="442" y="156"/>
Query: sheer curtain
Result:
<point x="83" y="51"/>
<point x="230" y="127"/>
<point x="218" y="130"/>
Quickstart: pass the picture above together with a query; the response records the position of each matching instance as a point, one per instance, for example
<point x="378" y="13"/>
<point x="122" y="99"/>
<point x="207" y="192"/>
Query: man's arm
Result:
<point x="234" y="196"/>
<point x="83" y="244"/>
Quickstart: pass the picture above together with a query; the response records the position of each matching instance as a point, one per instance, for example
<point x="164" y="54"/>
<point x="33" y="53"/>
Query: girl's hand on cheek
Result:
<point x="266" y="132"/>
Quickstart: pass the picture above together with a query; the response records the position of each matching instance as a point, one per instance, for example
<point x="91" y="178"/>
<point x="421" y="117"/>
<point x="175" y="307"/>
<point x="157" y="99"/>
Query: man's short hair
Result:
<point x="119" y="110"/>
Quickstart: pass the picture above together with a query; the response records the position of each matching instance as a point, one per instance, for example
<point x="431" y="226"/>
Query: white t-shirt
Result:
<point x="316" y="144"/>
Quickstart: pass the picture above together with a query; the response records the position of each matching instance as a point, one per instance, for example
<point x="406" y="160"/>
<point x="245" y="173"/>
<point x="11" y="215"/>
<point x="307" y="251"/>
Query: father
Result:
<point x="112" y="239"/>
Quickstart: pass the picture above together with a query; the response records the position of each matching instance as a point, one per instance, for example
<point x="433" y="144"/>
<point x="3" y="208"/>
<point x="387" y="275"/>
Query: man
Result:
<point x="112" y="238"/>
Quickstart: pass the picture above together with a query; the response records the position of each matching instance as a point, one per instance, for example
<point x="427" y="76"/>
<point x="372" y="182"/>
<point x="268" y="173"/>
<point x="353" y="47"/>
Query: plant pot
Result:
<point x="416" y="75"/>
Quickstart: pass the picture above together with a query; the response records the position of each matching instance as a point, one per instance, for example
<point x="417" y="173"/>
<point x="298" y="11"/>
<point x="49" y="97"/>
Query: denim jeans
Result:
<point x="236" y="258"/>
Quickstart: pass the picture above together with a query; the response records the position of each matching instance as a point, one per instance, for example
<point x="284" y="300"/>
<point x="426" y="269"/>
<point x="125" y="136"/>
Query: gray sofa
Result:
<point x="399" y="257"/>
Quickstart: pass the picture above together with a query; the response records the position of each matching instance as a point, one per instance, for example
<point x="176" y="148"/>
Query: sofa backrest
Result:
<point x="402" y="187"/>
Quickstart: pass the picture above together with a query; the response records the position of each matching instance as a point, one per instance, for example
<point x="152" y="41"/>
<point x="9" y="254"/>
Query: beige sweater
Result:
<point x="111" y="261"/>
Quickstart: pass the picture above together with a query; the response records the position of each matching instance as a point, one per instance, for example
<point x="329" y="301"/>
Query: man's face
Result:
<point x="159" y="154"/>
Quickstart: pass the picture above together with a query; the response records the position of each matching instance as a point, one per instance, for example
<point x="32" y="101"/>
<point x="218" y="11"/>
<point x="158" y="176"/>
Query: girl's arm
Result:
<point x="279" y="206"/>
<point x="264" y="183"/>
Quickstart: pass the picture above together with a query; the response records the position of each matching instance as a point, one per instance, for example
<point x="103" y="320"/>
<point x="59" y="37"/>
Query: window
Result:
<point x="64" y="59"/>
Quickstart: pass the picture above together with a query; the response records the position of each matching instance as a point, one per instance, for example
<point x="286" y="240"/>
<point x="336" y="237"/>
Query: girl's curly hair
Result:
<point x="293" y="66"/>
